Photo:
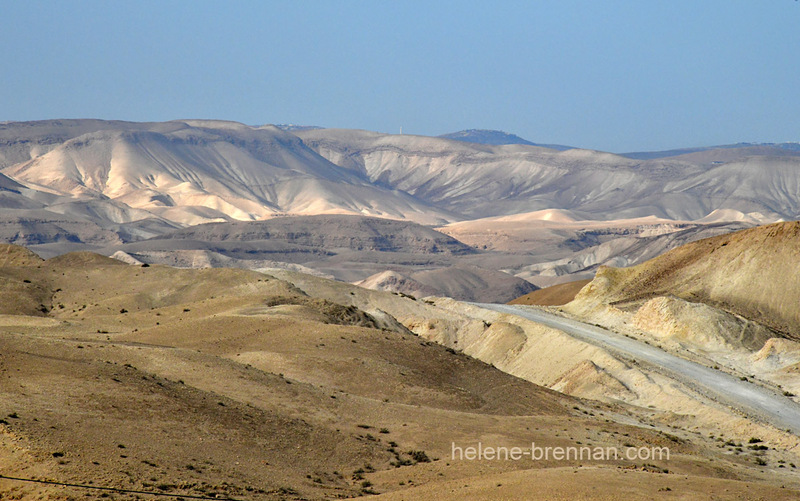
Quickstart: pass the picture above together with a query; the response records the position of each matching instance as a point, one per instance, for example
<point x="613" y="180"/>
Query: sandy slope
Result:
<point x="727" y="302"/>
<point x="752" y="273"/>
<point x="235" y="383"/>
<point x="551" y="358"/>
<point x="781" y="412"/>
<point x="555" y="295"/>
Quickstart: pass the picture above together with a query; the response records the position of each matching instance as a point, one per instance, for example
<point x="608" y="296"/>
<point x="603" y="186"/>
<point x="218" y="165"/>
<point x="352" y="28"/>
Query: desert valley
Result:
<point x="202" y="309"/>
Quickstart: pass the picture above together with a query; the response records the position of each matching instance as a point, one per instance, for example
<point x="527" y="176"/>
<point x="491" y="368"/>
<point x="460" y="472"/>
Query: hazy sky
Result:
<point x="609" y="75"/>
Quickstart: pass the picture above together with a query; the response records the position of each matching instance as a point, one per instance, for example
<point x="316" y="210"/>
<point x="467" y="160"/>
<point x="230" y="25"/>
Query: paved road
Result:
<point x="749" y="398"/>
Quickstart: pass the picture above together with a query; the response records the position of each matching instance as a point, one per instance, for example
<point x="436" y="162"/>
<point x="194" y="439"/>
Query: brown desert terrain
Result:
<point x="555" y="295"/>
<point x="234" y="384"/>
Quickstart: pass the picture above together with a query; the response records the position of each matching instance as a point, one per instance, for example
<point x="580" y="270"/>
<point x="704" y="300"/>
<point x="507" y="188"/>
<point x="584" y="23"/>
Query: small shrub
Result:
<point x="419" y="456"/>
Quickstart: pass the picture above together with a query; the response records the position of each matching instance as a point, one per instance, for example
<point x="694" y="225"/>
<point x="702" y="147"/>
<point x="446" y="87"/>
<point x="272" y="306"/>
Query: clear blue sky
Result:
<point x="609" y="75"/>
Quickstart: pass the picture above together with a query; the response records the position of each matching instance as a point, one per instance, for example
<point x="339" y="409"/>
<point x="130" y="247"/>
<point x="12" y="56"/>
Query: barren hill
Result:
<point x="174" y="169"/>
<point x="729" y="302"/>
<point x="219" y="382"/>
<point x="350" y="248"/>
<point x="753" y="273"/>
<point x="331" y="233"/>
<point x="555" y="295"/>
<point x="479" y="180"/>
<point x="542" y="215"/>
<point x="393" y="281"/>
<point x="193" y="171"/>
<point x="484" y="136"/>
<point x="14" y="255"/>
<point x="224" y="383"/>
<point x="465" y="283"/>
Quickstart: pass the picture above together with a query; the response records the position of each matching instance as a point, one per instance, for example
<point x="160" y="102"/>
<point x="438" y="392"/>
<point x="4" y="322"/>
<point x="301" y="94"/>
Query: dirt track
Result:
<point x="752" y="400"/>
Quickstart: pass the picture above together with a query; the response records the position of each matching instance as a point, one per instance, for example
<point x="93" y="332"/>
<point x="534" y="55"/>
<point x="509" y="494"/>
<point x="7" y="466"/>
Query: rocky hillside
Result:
<point x="753" y="273"/>
<point x="465" y="283"/>
<point x="331" y="233"/>
<point x="234" y="384"/>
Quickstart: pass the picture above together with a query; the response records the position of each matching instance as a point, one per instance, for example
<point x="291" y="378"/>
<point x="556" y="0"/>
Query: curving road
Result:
<point x="746" y="397"/>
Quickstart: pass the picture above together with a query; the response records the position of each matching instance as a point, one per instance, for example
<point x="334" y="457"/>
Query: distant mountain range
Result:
<point x="139" y="180"/>
<point x="194" y="171"/>
<point x="778" y="149"/>
<point x="497" y="137"/>
<point x="76" y="184"/>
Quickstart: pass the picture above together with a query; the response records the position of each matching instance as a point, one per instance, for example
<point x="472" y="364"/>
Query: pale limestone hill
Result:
<point x="778" y="353"/>
<point x="465" y="283"/>
<point x="471" y="283"/>
<point x="237" y="171"/>
<point x="393" y="281"/>
<point x="477" y="180"/>
<point x="587" y="378"/>
<point x="699" y="325"/>
<point x="192" y="171"/>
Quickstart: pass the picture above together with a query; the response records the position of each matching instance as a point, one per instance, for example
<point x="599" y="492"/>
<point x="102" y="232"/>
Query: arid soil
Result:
<point x="226" y="383"/>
